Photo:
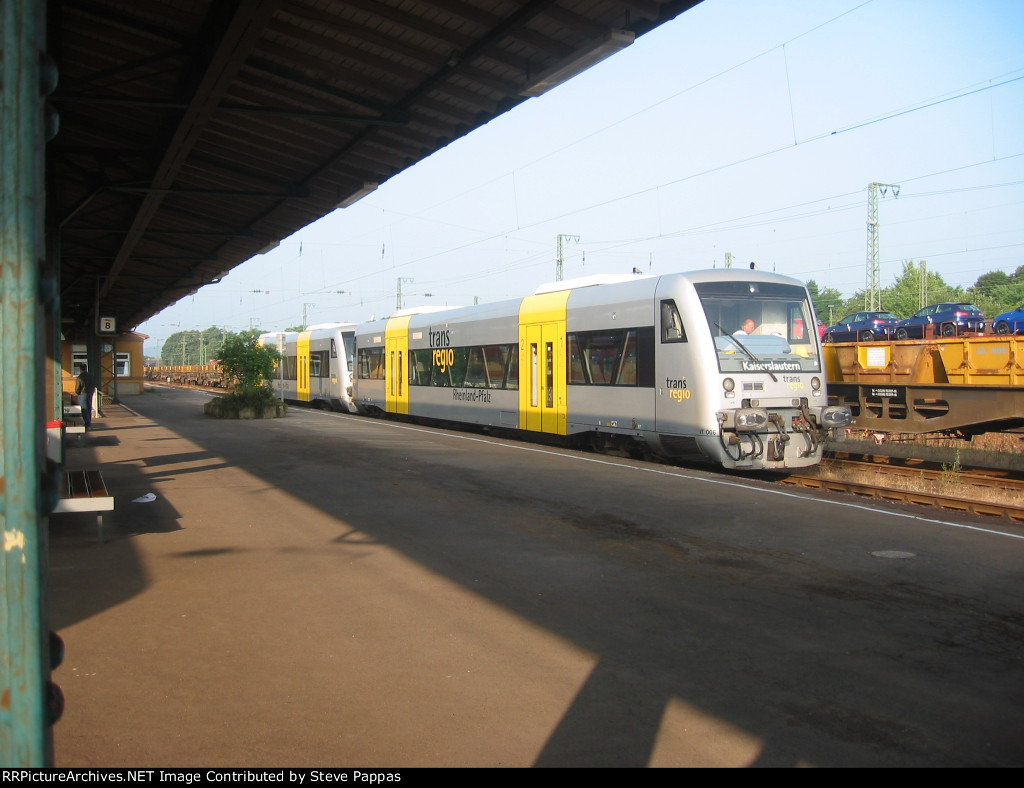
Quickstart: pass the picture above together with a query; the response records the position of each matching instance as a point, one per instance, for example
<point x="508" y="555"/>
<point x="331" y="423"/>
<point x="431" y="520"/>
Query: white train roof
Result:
<point x="587" y="281"/>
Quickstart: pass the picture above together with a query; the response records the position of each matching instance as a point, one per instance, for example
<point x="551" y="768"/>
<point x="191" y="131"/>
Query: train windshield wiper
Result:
<point x="751" y="356"/>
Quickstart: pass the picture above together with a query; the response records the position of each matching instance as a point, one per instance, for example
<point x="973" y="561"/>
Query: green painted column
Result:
<point x="23" y="729"/>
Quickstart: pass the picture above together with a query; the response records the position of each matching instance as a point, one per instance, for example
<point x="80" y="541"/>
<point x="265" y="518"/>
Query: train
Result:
<point x="316" y="365"/>
<point x="651" y="365"/>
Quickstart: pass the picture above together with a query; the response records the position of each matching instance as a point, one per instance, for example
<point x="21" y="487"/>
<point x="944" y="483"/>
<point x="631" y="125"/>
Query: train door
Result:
<point x="676" y="389"/>
<point x="302" y="367"/>
<point x="542" y="363"/>
<point x="396" y="361"/>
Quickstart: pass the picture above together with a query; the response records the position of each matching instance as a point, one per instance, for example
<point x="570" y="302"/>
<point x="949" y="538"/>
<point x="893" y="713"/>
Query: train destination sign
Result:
<point x="771" y="366"/>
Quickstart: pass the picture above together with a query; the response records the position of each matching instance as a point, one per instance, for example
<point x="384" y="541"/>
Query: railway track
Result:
<point x="980" y="491"/>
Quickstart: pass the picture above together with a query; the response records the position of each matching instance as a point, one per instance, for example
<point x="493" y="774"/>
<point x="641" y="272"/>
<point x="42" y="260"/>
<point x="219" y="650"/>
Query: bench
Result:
<point x="73" y="427"/>
<point x="85" y="491"/>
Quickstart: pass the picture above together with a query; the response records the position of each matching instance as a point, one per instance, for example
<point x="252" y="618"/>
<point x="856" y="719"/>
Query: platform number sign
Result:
<point x="107" y="325"/>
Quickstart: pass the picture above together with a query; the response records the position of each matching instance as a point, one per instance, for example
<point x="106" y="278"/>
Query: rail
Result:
<point x="948" y="487"/>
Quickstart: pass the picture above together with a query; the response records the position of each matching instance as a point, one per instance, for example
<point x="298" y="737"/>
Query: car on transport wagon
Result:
<point x="947" y="319"/>
<point x="861" y="327"/>
<point x="1011" y="322"/>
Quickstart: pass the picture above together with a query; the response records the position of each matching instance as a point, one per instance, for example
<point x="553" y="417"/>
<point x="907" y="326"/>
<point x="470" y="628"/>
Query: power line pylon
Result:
<point x="872" y="285"/>
<point x="559" y="258"/>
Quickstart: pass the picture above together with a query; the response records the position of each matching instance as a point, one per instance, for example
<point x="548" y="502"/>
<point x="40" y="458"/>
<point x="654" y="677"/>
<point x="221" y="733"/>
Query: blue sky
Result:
<point x="743" y="127"/>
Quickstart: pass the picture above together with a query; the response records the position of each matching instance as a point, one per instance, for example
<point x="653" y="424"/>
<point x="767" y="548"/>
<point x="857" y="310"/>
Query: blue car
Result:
<point x="861" y="327"/>
<point x="1011" y="322"/>
<point x="947" y="320"/>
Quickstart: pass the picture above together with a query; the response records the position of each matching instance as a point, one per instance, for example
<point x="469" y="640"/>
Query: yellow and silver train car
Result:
<point x="316" y="365"/>
<point x="652" y="363"/>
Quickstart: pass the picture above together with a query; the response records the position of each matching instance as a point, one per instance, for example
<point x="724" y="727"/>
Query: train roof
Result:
<point x="587" y="281"/>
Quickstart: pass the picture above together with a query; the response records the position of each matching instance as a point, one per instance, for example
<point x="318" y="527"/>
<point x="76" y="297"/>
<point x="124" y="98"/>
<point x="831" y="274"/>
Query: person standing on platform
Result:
<point x="85" y="389"/>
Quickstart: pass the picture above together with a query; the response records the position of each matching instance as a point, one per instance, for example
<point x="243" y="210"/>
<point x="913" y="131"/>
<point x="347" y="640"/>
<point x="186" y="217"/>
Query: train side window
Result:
<point x="494" y="365"/>
<point x="512" y="373"/>
<point x="671" y="323"/>
<point x="577" y="375"/>
<point x="420" y="360"/>
<point x="617" y="357"/>
<point x="645" y="357"/>
<point x="476" y="373"/>
<point x="626" y="374"/>
<point x="371" y="363"/>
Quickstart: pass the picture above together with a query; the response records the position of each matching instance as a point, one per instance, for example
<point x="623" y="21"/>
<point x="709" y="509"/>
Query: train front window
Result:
<point x="760" y="326"/>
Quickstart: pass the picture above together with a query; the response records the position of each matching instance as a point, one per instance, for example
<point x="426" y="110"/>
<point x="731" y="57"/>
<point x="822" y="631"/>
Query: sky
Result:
<point x="743" y="128"/>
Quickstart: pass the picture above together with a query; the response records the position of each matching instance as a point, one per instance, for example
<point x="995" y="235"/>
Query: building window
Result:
<point x="79" y="359"/>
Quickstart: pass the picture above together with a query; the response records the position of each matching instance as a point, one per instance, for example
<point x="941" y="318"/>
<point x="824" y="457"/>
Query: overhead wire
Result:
<point x="734" y="223"/>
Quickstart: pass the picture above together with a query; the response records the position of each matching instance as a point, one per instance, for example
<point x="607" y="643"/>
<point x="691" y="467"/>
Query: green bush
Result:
<point x="254" y="404"/>
<point x="250" y="364"/>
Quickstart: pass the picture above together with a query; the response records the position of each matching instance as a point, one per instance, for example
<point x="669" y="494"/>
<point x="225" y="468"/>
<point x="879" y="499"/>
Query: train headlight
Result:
<point x="751" y="419"/>
<point x="816" y="383"/>
<point x="728" y="384"/>
<point x="836" y="417"/>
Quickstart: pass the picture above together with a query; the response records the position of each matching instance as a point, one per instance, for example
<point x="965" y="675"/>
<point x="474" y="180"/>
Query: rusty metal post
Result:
<point x="23" y="728"/>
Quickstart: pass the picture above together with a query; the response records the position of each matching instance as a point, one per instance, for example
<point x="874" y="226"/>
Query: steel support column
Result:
<point x="23" y="728"/>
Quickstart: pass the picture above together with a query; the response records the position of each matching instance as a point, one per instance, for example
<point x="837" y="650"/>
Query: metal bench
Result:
<point x="71" y="415"/>
<point x="85" y="491"/>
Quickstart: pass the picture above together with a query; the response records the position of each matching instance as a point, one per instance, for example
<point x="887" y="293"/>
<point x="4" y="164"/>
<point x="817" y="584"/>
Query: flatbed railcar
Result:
<point x="210" y="375"/>
<point x="316" y="365"/>
<point x="645" y="363"/>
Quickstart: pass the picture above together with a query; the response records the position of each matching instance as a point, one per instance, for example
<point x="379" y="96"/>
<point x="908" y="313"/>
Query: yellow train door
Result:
<point x="302" y="367"/>
<point x="542" y="363"/>
<point x="396" y="365"/>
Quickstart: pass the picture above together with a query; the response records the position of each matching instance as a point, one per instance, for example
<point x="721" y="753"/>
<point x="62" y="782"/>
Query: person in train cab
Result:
<point x="746" y="327"/>
<point x="85" y="388"/>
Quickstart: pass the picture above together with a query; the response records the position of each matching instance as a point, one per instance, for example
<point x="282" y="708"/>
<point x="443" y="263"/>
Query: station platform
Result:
<point x="258" y="605"/>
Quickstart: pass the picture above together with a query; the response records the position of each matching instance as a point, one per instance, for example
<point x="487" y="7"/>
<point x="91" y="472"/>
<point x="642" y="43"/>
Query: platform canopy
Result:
<point x="190" y="135"/>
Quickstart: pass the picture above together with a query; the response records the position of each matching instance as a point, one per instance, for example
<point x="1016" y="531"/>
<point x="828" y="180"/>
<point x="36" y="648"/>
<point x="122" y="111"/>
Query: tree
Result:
<point x="193" y="347"/>
<point x="997" y="292"/>
<point x="181" y="348"/>
<point x="248" y="362"/>
<point x="212" y="339"/>
<point x="828" y="302"/>
<point x="907" y="294"/>
<point x="250" y="365"/>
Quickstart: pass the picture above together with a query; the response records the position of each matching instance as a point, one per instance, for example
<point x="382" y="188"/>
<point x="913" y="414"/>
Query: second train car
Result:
<point x="718" y="364"/>
<point x="316" y="365"/>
